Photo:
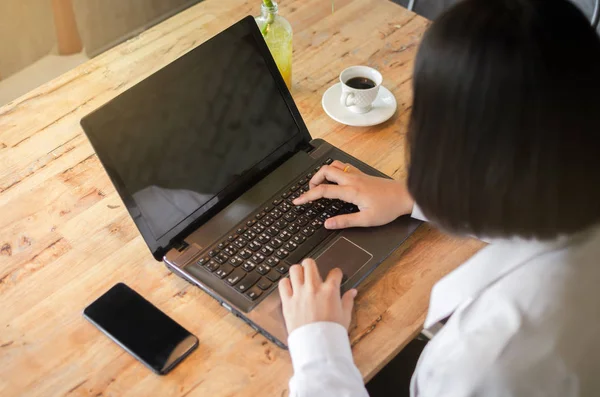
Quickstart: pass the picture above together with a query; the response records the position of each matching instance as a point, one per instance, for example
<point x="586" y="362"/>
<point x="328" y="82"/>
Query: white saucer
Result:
<point x="384" y="107"/>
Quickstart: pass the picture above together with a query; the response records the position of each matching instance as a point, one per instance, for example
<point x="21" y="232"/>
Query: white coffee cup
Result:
<point x="359" y="100"/>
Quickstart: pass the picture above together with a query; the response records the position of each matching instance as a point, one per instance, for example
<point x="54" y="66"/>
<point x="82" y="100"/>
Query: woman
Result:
<point x="504" y="145"/>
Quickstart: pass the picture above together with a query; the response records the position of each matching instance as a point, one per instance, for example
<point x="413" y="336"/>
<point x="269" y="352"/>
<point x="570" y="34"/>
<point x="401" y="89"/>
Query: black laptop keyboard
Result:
<point x="258" y="252"/>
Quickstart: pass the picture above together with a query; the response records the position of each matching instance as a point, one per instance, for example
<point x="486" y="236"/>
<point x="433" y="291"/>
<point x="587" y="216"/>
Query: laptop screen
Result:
<point x="176" y="142"/>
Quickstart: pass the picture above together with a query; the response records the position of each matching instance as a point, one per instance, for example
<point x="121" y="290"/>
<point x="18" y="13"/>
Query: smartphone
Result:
<point x="141" y="328"/>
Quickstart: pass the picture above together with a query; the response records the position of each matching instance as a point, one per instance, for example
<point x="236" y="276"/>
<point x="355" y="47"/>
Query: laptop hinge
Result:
<point x="179" y="245"/>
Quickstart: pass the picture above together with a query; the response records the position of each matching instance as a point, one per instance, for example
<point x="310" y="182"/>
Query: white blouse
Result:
<point x="525" y="322"/>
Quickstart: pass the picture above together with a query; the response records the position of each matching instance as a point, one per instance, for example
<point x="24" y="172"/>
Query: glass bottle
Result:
<point x="277" y="32"/>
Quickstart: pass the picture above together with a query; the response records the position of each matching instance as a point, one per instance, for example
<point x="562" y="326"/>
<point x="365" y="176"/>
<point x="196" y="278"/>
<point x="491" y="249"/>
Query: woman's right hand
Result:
<point x="380" y="200"/>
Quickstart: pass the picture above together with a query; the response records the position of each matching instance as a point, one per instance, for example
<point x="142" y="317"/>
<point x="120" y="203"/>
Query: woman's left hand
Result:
<point x="307" y="299"/>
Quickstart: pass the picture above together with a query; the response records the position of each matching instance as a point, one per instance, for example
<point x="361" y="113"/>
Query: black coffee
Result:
<point x="360" y="83"/>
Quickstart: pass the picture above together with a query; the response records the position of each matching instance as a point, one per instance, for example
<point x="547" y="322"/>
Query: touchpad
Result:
<point x="344" y="254"/>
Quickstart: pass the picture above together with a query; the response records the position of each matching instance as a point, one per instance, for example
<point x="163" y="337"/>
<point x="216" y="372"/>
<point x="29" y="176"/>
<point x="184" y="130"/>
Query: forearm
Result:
<point x="323" y="365"/>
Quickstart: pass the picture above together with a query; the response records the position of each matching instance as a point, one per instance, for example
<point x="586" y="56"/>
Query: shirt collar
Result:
<point x="482" y="270"/>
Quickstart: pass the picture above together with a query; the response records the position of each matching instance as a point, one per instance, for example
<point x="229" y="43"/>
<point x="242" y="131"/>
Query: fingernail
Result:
<point x="354" y="293"/>
<point x="296" y="201"/>
<point x="329" y="224"/>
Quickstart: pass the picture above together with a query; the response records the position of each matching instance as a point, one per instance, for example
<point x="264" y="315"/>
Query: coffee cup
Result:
<point x="360" y="86"/>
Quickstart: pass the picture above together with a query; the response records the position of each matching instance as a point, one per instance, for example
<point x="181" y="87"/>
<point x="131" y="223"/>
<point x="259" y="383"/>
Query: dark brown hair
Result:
<point x="504" y="133"/>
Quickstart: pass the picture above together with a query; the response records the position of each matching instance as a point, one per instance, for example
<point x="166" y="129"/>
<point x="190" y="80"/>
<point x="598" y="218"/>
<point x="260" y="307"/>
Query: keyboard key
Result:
<point x="316" y="223"/>
<point x="282" y="253"/>
<point x="290" y="246"/>
<point x="284" y="236"/>
<point x="282" y="268"/>
<point x="264" y="238"/>
<point x="231" y="238"/>
<point x="214" y="252"/>
<point x="285" y="195"/>
<point x="329" y="161"/>
<point x="254" y="246"/>
<point x="248" y="266"/>
<point x="254" y="293"/>
<point x="272" y="262"/>
<point x="263" y="269"/>
<point x="267" y="220"/>
<point x="273" y="231"/>
<point x="251" y="222"/>
<point x="249" y="235"/>
<point x="266" y="250"/>
<point x="309" y="176"/>
<point x="324" y="216"/>
<point x="221" y="258"/>
<point x="224" y="271"/>
<point x="302" y="221"/>
<point x="351" y="207"/>
<point x="241" y="242"/>
<point x="202" y="261"/>
<point x="290" y="217"/>
<point x="260" y="215"/>
<point x="264" y="284"/>
<point x="285" y="207"/>
<point x="275" y="243"/>
<point x="293" y="188"/>
<point x="231" y="250"/>
<point x="299" y="209"/>
<point x="276" y="202"/>
<point x="319" y="207"/>
<point x="258" y="228"/>
<point x="308" y="231"/>
<point x="311" y="214"/>
<point x="317" y="169"/>
<point x="268" y="208"/>
<point x="259" y="256"/>
<point x="299" y="239"/>
<point x="302" y="181"/>
<point x="245" y="253"/>
<point x="273" y="275"/>
<point x="211" y="266"/>
<point x="235" y="277"/>
<point x="276" y="214"/>
<point x="241" y="230"/>
<point x="236" y="261"/>
<point x="247" y="282"/>
<point x="222" y="245"/>
<point x="293" y="229"/>
<point x="295" y="195"/>
<point x="281" y="224"/>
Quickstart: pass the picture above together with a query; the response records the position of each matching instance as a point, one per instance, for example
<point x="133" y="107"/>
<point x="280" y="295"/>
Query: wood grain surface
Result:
<point x="65" y="236"/>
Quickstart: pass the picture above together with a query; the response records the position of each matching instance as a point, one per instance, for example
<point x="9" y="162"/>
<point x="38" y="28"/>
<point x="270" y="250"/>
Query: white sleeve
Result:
<point x="417" y="214"/>
<point x="323" y="365"/>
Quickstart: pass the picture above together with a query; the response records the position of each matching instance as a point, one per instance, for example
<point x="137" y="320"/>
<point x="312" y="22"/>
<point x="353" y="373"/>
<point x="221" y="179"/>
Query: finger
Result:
<point x="339" y="165"/>
<point x="356" y="219"/>
<point x="344" y="193"/>
<point x="334" y="278"/>
<point x="348" y="301"/>
<point x="329" y="173"/>
<point x="347" y="168"/>
<point x="311" y="273"/>
<point x="285" y="290"/>
<point x="296" y="277"/>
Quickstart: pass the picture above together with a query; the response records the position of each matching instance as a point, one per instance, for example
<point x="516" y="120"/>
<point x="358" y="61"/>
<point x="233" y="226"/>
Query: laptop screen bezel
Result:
<point x="300" y="141"/>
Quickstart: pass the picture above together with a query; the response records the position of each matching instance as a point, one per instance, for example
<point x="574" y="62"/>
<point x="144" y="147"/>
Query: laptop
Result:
<point x="207" y="155"/>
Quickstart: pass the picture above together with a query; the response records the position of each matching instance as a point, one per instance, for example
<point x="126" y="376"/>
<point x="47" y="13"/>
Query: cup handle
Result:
<point x="348" y="96"/>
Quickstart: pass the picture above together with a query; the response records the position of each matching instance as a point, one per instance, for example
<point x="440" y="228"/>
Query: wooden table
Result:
<point x="65" y="237"/>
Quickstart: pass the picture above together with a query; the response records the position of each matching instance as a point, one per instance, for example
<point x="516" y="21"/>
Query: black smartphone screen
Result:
<point x="141" y="328"/>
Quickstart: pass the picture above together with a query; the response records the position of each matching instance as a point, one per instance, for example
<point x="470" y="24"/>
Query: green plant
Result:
<point x="270" y="18"/>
